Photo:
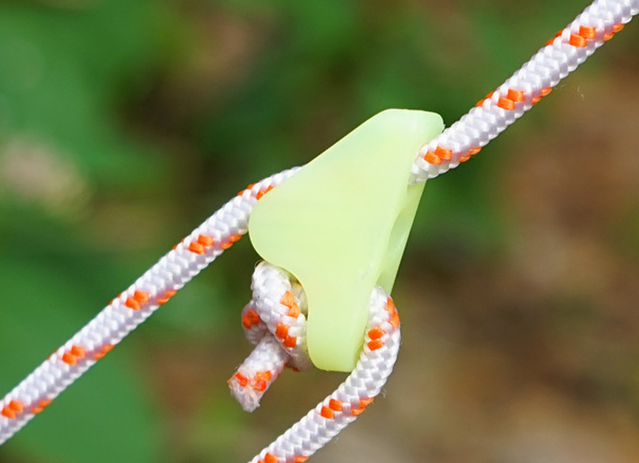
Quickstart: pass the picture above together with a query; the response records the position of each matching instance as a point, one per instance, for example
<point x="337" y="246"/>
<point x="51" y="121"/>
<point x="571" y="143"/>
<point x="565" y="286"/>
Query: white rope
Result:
<point x="277" y="295"/>
<point x="131" y="308"/>
<point x="275" y="322"/>
<point x="598" y="23"/>
<point x="561" y="55"/>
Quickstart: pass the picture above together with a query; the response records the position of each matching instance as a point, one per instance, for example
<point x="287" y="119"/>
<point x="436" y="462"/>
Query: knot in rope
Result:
<point x="275" y="322"/>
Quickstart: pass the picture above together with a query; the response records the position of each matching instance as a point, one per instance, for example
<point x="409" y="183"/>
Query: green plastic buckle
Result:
<point x="340" y="226"/>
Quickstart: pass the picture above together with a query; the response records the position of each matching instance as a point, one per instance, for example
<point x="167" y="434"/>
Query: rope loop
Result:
<point x="275" y="322"/>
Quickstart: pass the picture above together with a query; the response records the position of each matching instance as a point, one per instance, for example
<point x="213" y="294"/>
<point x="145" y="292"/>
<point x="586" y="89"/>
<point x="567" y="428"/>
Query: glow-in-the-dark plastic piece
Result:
<point x="340" y="226"/>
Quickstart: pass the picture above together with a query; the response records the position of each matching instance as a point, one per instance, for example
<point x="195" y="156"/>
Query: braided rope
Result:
<point x="534" y="80"/>
<point x="275" y="304"/>
<point x="597" y="24"/>
<point x="274" y="322"/>
<point x="130" y="308"/>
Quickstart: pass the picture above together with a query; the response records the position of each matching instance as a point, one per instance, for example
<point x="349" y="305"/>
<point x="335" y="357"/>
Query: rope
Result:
<point x="561" y="55"/>
<point x="130" y="308"/>
<point x="274" y="320"/>
<point x="534" y="80"/>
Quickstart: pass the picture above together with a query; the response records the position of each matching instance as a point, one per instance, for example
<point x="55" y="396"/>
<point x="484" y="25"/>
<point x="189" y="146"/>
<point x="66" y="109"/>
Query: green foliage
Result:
<point x="62" y="72"/>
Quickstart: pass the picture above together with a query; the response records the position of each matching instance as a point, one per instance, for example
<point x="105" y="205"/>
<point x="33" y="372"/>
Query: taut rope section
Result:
<point x="131" y="307"/>
<point x="492" y="115"/>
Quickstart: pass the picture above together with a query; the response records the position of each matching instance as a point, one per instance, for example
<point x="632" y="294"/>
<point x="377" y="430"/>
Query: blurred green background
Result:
<point x="125" y="123"/>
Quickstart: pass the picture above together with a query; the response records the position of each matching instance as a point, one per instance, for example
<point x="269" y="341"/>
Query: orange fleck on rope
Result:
<point x="395" y="320"/>
<point x="366" y="402"/>
<point x="243" y="380"/>
<point x="516" y="95"/>
<point x="294" y="311"/>
<point x="335" y="405"/>
<point x="196" y="248"/>
<point x="167" y="295"/>
<point x="505" y="103"/>
<point x="327" y="413"/>
<point x="265" y="375"/>
<point x="375" y="344"/>
<point x="44" y="403"/>
<point x="12" y="410"/>
<point x="432" y="159"/>
<point x="250" y="319"/>
<point x="587" y="32"/>
<point x="8" y="413"/>
<point x="261" y="380"/>
<point x="616" y="28"/>
<point x="105" y="350"/>
<point x="282" y="330"/>
<point x="132" y="304"/>
<point x="141" y="296"/>
<point x="205" y="240"/>
<point x="443" y="153"/>
<point x="290" y="341"/>
<point x="550" y="42"/>
<point x="577" y="41"/>
<point x="390" y="306"/>
<point x="288" y="300"/>
<point x="227" y="244"/>
<point x="230" y="241"/>
<point x="544" y="92"/>
<point x="70" y="359"/>
<point x="471" y="152"/>
<point x="487" y="97"/>
<point x="262" y="193"/>
<point x="363" y="404"/>
<point x="248" y="188"/>
<point x="78" y="351"/>
<point x="376" y="333"/>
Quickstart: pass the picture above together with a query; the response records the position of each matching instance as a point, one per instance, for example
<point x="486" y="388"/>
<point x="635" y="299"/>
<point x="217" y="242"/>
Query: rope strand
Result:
<point x="130" y="308"/>
<point x="534" y="80"/>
